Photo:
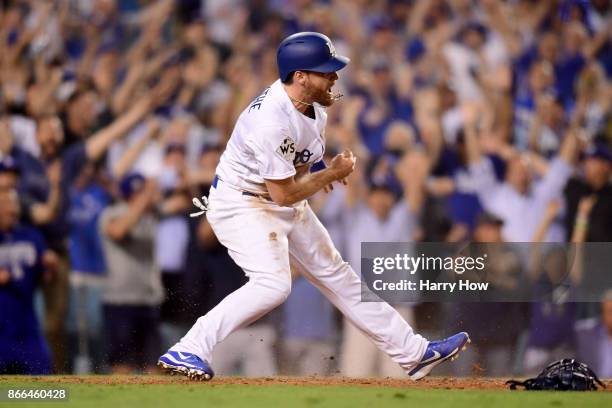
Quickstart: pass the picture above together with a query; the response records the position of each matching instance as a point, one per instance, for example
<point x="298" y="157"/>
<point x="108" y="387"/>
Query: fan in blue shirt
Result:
<point x="23" y="349"/>
<point x="87" y="201"/>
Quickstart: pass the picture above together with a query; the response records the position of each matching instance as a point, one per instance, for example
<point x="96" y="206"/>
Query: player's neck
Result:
<point x="298" y="100"/>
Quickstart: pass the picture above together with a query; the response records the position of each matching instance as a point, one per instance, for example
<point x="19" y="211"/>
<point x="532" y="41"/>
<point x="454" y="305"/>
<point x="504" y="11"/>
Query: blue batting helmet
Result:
<point x="308" y="51"/>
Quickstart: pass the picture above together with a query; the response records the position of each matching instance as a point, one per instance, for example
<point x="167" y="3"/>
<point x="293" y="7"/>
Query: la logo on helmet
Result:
<point x="332" y="49"/>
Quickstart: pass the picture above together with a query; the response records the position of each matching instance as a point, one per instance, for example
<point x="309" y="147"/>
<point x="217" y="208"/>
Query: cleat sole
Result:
<point x="196" y="375"/>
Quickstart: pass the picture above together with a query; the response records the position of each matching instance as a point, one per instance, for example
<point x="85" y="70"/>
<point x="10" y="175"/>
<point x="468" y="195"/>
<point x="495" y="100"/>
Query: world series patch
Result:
<point x="287" y="149"/>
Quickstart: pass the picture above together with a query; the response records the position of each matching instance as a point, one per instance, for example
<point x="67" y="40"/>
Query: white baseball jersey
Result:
<point x="270" y="140"/>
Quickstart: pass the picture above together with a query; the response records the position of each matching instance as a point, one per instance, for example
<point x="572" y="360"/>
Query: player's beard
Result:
<point x="320" y="96"/>
<point x="324" y="98"/>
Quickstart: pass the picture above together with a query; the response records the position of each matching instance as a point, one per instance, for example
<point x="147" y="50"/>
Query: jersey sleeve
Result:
<point x="274" y="151"/>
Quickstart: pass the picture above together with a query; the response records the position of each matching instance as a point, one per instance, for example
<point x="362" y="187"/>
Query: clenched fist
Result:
<point x="343" y="164"/>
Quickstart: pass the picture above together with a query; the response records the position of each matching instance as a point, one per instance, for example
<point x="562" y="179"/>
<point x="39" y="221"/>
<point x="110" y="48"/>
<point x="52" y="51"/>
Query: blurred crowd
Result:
<point x="473" y="120"/>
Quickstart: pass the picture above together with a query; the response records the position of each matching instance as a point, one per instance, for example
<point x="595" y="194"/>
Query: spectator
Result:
<point x="24" y="260"/>
<point x="88" y="198"/>
<point x="81" y="115"/>
<point x="478" y="62"/>
<point x="595" y="180"/>
<point x="595" y="339"/>
<point x="172" y="239"/>
<point x="39" y="203"/>
<point x="495" y="339"/>
<point x="309" y="331"/>
<point x="518" y="201"/>
<point x="51" y="138"/>
<point x="375" y="214"/>
<point x="539" y="85"/>
<point x="172" y="234"/>
<point x="552" y="317"/>
<point x="383" y="104"/>
<point x="133" y="291"/>
<point x="451" y="181"/>
<point x="547" y="126"/>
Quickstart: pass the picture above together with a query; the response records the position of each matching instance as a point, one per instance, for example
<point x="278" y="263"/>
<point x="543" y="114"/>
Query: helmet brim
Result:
<point x="334" y="64"/>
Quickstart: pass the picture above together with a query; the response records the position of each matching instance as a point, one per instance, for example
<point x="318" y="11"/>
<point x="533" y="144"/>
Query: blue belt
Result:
<point x="246" y="193"/>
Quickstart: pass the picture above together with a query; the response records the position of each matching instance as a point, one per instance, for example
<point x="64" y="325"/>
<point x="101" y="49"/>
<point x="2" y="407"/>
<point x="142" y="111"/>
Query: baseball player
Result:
<point x="257" y="208"/>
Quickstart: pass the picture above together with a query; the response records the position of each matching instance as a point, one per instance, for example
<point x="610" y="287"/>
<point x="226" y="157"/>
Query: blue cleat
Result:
<point x="187" y="364"/>
<point x="439" y="351"/>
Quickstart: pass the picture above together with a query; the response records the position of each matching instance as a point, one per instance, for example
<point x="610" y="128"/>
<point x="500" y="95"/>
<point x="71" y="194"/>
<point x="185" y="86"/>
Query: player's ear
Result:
<point x="301" y="78"/>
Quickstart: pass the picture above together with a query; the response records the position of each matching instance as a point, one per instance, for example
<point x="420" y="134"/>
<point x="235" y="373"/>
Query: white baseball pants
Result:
<point x="266" y="240"/>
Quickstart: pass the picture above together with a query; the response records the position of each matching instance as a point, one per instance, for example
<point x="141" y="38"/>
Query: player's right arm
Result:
<point x="291" y="190"/>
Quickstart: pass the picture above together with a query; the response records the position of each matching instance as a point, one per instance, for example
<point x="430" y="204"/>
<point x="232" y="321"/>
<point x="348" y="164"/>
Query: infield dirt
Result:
<point x="448" y="383"/>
